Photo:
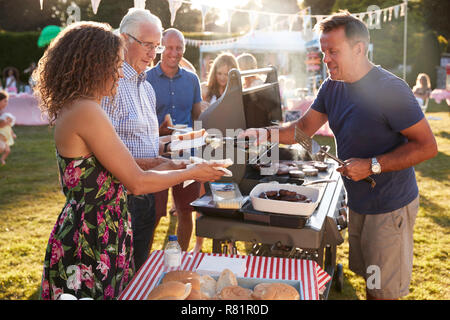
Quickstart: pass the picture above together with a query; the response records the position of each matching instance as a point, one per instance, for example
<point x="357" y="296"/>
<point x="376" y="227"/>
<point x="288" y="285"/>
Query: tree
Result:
<point x="319" y="7"/>
<point x="22" y="15"/>
<point x="436" y="17"/>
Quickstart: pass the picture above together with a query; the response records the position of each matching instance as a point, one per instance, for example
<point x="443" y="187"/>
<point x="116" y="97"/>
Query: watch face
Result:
<point x="376" y="168"/>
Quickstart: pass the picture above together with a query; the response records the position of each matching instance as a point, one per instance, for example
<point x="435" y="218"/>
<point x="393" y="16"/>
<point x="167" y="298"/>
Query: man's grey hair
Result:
<point x="134" y="17"/>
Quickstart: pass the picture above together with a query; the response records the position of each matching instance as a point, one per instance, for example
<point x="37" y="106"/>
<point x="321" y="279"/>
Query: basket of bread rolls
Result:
<point x="189" y="285"/>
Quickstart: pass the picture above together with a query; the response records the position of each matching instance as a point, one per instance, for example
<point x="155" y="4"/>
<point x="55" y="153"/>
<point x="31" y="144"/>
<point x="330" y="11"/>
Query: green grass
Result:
<point x="31" y="199"/>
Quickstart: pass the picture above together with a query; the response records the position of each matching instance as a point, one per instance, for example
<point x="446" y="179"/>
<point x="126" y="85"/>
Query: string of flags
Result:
<point x="198" y="43"/>
<point x="373" y="17"/>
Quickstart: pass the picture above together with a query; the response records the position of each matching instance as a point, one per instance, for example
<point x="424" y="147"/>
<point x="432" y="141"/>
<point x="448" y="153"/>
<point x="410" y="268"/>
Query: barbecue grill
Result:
<point x="289" y="236"/>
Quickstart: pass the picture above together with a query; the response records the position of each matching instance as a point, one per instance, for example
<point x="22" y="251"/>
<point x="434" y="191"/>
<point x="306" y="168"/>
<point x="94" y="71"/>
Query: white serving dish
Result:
<point x="284" y="207"/>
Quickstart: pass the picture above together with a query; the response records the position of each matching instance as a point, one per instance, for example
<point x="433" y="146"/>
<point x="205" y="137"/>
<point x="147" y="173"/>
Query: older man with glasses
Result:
<point x="133" y="114"/>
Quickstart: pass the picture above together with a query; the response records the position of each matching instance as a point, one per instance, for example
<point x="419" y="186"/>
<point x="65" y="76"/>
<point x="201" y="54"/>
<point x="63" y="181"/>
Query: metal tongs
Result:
<point x="314" y="148"/>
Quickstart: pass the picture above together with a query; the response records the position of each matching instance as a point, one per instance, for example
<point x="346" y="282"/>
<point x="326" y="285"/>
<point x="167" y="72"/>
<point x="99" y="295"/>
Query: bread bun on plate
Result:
<point x="226" y="278"/>
<point x="208" y="286"/>
<point x="171" y="290"/>
<point x="191" y="135"/>
<point x="275" y="291"/>
<point x="196" y="295"/>
<point x="235" y="293"/>
<point x="183" y="276"/>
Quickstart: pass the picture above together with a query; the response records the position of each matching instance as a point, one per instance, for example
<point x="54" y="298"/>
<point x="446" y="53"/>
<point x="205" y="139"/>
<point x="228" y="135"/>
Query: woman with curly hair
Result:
<point x="90" y="250"/>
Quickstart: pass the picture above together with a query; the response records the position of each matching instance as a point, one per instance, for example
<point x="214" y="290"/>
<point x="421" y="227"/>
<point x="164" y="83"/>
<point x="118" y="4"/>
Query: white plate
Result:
<point x="284" y="207"/>
<point x="177" y="145"/>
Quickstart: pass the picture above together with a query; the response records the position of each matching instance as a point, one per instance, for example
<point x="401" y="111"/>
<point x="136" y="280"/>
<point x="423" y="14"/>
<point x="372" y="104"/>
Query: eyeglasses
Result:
<point x="148" y="45"/>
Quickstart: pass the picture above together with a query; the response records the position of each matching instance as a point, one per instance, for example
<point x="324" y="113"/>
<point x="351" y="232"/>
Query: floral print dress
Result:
<point x="89" y="253"/>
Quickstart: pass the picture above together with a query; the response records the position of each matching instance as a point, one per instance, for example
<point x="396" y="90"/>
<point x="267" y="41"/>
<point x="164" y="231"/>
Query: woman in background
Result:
<point x="90" y="250"/>
<point x="422" y="90"/>
<point x="11" y="76"/>
<point x="218" y="77"/>
<point x="247" y="61"/>
<point x="7" y="134"/>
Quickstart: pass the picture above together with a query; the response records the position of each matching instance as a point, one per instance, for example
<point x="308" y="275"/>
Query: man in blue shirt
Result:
<point x="178" y="94"/>
<point x="380" y="131"/>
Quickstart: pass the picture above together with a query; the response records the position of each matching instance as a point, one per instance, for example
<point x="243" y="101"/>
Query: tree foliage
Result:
<point x="427" y="22"/>
<point x="423" y="52"/>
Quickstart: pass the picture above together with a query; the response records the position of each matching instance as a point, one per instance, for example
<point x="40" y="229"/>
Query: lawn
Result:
<point x="30" y="201"/>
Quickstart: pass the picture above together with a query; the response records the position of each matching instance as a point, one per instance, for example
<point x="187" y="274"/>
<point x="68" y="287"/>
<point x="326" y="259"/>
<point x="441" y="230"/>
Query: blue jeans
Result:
<point x="142" y="211"/>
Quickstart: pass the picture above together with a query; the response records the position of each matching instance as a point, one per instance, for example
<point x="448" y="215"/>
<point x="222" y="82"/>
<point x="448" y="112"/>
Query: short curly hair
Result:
<point x="79" y="63"/>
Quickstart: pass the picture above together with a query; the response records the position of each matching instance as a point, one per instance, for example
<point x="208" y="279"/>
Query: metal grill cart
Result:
<point x="289" y="236"/>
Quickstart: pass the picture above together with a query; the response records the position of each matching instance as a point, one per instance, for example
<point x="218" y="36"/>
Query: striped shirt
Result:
<point x="133" y="114"/>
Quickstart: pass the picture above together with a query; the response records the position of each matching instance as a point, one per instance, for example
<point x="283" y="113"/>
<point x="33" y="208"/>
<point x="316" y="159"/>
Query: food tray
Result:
<point x="285" y="207"/>
<point x="250" y="283"/>
<point x="206" y="206"/>
<point x="226" y="195"/>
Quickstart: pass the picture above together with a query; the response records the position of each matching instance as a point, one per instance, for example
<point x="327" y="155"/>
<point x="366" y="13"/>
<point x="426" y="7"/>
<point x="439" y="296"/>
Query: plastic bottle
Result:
<point x="172" y="254"/>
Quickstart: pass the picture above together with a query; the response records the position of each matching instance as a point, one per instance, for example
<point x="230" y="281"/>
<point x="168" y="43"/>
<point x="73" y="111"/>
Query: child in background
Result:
<point x="7" y="135"/>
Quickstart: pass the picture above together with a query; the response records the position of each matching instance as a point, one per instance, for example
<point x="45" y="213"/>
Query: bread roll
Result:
<point x="235" y="293"/>
<point x="226" y="278"/>
<point x="183" y="276"/>
<point x="191" y="135"/>
<point x="208" y="286"/>
<point x="227" y="162"/>
<point x="275" y="291"/>
<point x="196" y="295"/>
<point x="171" y="290"/>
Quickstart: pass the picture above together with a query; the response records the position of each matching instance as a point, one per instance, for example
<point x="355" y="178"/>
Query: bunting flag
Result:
<point x="273" y="19"/>
<point x="253" y="18"/>
<point x="374" y="16"/>
<point x="402" y="9"/>
<point x="291" y="20"/>
<point x="174" y="5"/>
<point x="140" y="4"/>
<point x="396" y="11"/>
<point x="228" y="14"/>
<point x="95" y="4"/>
<point x="307" y="23"/>
<point x="204" y="11"/>
<point x="198" y="43"/>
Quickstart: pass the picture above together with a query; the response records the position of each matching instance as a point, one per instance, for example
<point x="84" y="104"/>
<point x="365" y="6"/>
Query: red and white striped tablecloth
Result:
<point x="313" y="277"/>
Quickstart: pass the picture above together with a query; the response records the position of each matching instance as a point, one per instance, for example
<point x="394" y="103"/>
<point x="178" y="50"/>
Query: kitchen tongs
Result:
<point x="314" y="148"/>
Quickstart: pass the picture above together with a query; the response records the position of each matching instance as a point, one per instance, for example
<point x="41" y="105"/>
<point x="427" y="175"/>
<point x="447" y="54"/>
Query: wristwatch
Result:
<point x="376" y="167"/>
